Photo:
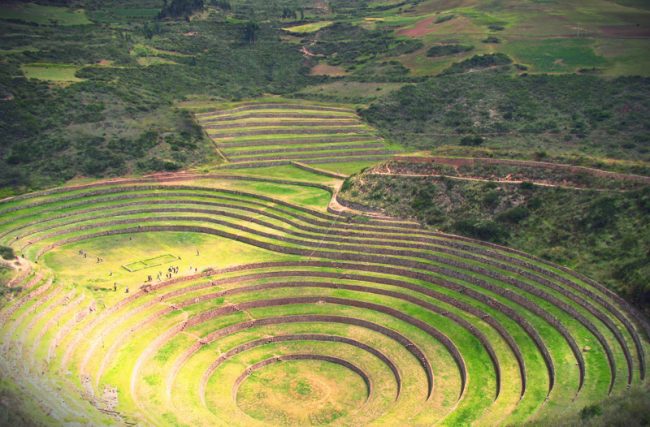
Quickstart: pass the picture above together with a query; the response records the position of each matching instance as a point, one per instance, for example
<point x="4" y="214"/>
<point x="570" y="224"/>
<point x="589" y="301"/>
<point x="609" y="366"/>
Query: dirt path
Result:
<point x="464" y="178"/>
<point x="469" y="161"/>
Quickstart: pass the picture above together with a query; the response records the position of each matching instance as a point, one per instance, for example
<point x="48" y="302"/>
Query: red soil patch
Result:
<point x="327" y="70"/>
<point x="626" y="31"/>
<point x="422" y="28"/>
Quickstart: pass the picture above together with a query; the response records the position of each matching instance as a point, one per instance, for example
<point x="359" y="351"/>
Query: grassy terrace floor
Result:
<point x="268" y="307"/>
<point x="248" y="134"/>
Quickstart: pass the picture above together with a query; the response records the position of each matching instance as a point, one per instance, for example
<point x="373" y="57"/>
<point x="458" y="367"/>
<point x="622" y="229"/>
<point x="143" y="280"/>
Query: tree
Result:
<point x="250" y="31"/>
<point x="181" y="8"/>
<point x="7" y="253"/>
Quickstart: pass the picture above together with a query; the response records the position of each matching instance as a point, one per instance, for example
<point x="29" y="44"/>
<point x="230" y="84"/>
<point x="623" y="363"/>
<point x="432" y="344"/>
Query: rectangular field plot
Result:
<point x="151" y="262"/>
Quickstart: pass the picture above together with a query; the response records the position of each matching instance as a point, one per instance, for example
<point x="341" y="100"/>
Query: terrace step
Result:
<point x="296" y="141"/>
<point x="317" y="147"/>
<point x="312" y="156"/>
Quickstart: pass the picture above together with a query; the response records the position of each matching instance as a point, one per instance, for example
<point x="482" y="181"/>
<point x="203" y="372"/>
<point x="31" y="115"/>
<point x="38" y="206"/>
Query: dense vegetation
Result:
<point x="119" y="115"/>
<point x="534" y="114"/>
<point x="351" y="45"/>
<point x="604" y="235"/>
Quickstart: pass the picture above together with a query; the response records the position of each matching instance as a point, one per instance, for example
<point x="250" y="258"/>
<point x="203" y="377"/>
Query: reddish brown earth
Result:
<point x="422" y="28"/>
<point x="327" y="70"/>
<point x="626" y="31"/>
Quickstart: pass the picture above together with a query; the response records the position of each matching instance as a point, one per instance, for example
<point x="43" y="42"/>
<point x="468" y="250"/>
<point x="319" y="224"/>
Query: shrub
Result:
<point x="444" y="18"/>
<point x="424" y="197"/>
<point x="484" y="230"/>
<point x="514" y="215"/>
<point x="589" y="412"/>
<point x="527" y="185"/>
<point x="7" y="253"/>
<point x="479" y="61"/>
<point x="472" y="141"/>
<point x="491" y="39"/>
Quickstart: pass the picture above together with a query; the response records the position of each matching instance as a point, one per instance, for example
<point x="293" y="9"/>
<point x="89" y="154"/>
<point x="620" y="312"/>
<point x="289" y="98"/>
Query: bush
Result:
<point x="479" y="61"/>
<point x="514" y="215"/>
<point x="589" y="412"/>
<point x="472" y="141"/>
<point x="527" y="186"/>
<point x="484" y="230"/>
<point x="7" y="253"/>
<point x="444" y="18"/>
<point x="424" y="197"/>
<point x="491" y="39"/>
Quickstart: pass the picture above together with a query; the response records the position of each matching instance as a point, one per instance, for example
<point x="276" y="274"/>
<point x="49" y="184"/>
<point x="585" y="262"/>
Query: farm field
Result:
<point x="267" y="291"/>
<point x="324" y="213"/>
<point x="61" y="73"/>
<point x="262" y="134"/>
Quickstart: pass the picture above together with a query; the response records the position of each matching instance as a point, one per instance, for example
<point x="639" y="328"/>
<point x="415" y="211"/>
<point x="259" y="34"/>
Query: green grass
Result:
<point x="149" y="263"/>
<point x="63" y="73"/>
<point x="43" y="15"/>
<point x="149" y="393"/>
<point x="15" y="50"/>
<point x="345" y="168"/>
<point x="148" y="61"/>
<point x="308" y="28"/>
<point x="556" y="55"/>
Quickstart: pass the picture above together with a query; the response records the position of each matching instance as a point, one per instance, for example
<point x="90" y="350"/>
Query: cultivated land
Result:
<point x="279" y="300"/>
<point x="214" y="213"/>
<point x="257" y="134"/>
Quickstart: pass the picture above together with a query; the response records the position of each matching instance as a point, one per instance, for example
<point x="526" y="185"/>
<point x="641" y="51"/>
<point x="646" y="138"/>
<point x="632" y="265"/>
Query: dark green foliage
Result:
<point x="444" y="18"/>
<point x="221" y="4"/>
<point x="589" y="412"/>
<point x="527" y="186"/>
<point x="288" y="13"/>
<point x="250" y="31"/>
<point x="485" y="230"/>
<point x="601" y="213"/>
<point x="7" y="253"/>
<point x="472" y="140"/>
<point x="491" y="39"/>
<point x="629" y="409"/>
<point x="448" y="49"/>
<point x="537" y="114"/>
<point x="104" y="125"/>
<point x="495" y="27"/>
<point x="181" y="8"/>
<point x="478" y="62"/>
<point x="603" y="235"/>
<point x="514" y="215"/>
<point x="350" y="44"/>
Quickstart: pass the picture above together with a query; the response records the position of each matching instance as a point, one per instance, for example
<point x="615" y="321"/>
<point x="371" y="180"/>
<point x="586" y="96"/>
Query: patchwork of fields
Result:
<point x="241" y="267"/>
<point x="280" y="301"/>
<point x="263" y="134"/>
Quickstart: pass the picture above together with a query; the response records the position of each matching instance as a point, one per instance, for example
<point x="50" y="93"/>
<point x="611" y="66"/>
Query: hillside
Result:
<point x="324" y="212"/>
<point x="599" y="226"/>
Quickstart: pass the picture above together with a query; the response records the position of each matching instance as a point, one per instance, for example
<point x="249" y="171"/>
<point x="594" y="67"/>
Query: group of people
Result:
<point x="170" y="273"/>
<point x="85" y="255"/>
<point x="126" y="290"/>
